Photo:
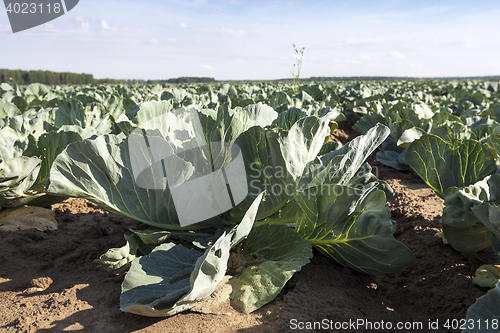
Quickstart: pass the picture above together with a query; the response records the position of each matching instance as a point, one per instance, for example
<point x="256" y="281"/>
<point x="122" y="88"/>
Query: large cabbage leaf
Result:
<point x="275" y="161"/>
<point x="461" y="226"/>
<point x="48" y="147"/>
<point x="100" y="170"/>
<point x="17" y="175"/>
<point x="340" y="166"/>
<point x="271" y="255"/>
<point x="14" y="134"/>
<point x="8" y="109"/>
<point x="444" y="164"/>
<point x="352" y="226"/>
<point x="174" y="278"/>
<point x="489" y="214"/>
<point x="484" y="313"/>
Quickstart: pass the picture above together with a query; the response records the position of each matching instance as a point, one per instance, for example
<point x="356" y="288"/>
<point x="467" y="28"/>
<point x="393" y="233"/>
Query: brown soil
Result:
<point x="73" y="294"/>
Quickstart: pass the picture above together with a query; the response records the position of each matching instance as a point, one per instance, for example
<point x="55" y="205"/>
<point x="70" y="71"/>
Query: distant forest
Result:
<point x="50" y="78"/>
<point x="184" y="79"/>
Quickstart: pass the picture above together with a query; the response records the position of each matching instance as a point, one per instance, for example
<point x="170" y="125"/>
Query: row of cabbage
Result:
<point x="450" y="136"/>
<point x="332" y="200"/>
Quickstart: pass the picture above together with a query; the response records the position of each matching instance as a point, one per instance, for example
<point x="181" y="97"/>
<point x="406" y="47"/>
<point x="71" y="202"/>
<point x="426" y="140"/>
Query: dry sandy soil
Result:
<point x="79" y="296"/>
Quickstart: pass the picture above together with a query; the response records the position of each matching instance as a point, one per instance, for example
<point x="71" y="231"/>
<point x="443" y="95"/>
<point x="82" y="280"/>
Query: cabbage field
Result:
<point x="373" y="190"/>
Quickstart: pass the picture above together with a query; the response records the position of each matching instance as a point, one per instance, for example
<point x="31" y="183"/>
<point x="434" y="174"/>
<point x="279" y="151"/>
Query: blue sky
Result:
<point x="232" y="39"/>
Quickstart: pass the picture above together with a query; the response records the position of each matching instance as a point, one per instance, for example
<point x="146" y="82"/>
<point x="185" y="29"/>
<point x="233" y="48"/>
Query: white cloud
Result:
<point x="172" y="40"/>
<point x="210" y="68"/>
<point x="365" y="57"/>
<point x="232" y="32"/>
<point x="105" y="25"/>
<point x="184" y="25"/>
<point x="238" y="33"/>
<point x="396" y="54"/>
<point x="85" y="26"/>
<point x="353" y="62"/>
<point x="153" y="41"/>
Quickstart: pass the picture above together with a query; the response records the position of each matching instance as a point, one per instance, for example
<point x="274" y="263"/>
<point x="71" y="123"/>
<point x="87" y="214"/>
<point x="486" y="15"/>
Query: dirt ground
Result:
<point x="76" y="295"/>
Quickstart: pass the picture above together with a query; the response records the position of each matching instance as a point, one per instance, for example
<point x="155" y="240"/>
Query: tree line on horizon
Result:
<point x="48" y="77"/>
<point x="54" y="78"/>
<point x="24" y="77"/>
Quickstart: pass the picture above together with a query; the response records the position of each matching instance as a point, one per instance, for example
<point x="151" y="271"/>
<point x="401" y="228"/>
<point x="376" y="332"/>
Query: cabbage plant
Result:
<point x="460" y="172"/>
<point x="296" y="199"/>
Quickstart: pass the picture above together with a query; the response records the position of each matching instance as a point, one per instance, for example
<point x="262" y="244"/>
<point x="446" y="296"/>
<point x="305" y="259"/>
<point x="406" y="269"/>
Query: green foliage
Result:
<point x="271" y="255"/>
<point x="99" y="169"/>
<point x="48" y="77"/>
<point x="485" y="311"/>
<point x="174" y="278"/>
<point x="443" y="164"/>
<point x="59" y="141"/>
